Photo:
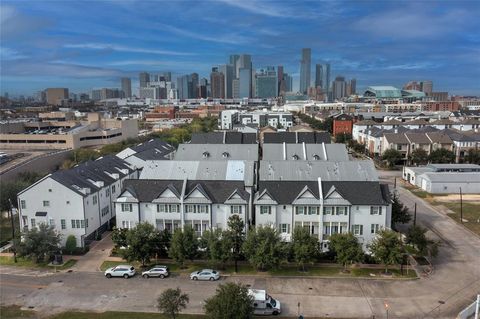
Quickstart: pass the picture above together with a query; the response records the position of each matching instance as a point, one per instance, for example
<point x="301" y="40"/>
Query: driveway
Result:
<point x="93" y="259"/>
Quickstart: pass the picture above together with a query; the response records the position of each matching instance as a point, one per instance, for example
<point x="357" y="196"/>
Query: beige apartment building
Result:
<point x="66" y="134"/>
<point x="56" y="95"/>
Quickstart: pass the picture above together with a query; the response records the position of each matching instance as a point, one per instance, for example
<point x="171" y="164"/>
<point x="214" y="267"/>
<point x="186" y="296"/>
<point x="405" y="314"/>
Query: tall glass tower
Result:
<point x="305" y="65"/>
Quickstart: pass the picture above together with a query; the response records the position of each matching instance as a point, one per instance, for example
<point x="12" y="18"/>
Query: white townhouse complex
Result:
<point x="325" y="197"/>
<point x="173" y="204"/>
<point x="284" y="184"/>
<point x="78" y="201"/>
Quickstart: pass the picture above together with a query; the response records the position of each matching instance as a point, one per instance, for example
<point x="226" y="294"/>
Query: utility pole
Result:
<point x="395" y="183"/>
<point x="13" y="232"/>
<point x="461" y="206"/>
<point x="415" y="215"/>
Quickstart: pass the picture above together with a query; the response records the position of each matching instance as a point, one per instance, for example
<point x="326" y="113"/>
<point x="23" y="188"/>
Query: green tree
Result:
<point x="416" y="236"/>
<point x="39" y="242"/>
<point x="343" y="138"/>
<point x="218" y="246"/>
<point x="473" y="156"/>
<point x="71" y="244"/>
<point x="263" y="248"/>
<point x="357" y="147"/>
<point x="419" y="156"/>
<point x="230" y="301"/>
<point x="328" y="125"/>
<point x="184" y="245"/>
<point x="346" y="248"/>
<point x="304" y="246"/>
<point x="392" y="157"/>
<point x="400" y="213"/>
<point x="119" y="237"/>
<point x="172" y="301"/>
<point x="163" y="243"/>
<point x="387" y="248"/>
<point x="236" y="235"/>
<point x="442" y="156"/>
<point x="141" y="243"/>
<point x="9" y="190"/>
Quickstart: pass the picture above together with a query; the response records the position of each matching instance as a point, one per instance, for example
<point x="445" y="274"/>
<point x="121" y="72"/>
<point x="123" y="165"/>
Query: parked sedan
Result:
<point x="205" y="274"/>
<point x="125" y="271"/>
<point x="156" y="271"/>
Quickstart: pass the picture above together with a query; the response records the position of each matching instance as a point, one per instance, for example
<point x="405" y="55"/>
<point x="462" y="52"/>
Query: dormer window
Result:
<point x="205" y="154"/>
<point x="225" y="154"/>
<point x="295" y="157"/>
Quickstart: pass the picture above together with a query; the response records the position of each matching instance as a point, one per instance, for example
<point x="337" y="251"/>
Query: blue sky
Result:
<point x="90" y="44"/>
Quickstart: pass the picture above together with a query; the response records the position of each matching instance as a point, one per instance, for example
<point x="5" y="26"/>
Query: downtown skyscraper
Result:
<point x="305" y="66"/>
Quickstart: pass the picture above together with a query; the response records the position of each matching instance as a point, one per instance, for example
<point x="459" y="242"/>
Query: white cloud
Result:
<point x="121" y="48"/>
<point x="10" y="54"/>
<point x="266" y="8"/>
<point x="228" y="39"/>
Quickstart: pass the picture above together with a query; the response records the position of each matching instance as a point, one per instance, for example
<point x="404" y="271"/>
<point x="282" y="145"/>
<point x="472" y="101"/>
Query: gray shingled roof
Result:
<point x="146" y="190"/>
<point x="224" y="138"/>
<point x="396" y="138"/>
<point x="357" y="193"/>
<point x="296" y="137"/>
<point x="417" y="138"/>
<point x="94" y="170"/>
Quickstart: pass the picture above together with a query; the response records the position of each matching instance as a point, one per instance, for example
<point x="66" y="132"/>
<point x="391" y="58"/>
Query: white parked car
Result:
<point x="156" y="271"/>
<point x="205" y="274"/>
<point x="125" y="271"/>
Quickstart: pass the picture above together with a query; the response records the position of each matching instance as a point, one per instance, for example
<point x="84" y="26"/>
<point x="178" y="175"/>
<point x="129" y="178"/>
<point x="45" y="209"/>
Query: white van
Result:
<point x="263" y="303"/>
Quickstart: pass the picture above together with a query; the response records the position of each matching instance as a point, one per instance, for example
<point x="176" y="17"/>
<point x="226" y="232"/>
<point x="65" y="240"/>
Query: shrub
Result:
<point x="71" y="244"/>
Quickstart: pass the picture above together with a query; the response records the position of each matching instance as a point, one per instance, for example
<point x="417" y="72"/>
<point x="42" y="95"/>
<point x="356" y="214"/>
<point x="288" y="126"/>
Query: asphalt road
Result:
<point x="453" y="284"/>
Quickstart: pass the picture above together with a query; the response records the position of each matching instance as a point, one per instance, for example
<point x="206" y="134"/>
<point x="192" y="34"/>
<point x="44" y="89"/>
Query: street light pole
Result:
<point x="13" y="232"/>
<point x="415" y="215"/>
<point x="461" y="206"/>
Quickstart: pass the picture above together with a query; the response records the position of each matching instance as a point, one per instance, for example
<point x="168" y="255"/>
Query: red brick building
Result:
<point x="441" y="106"/>
<point x="342" y="124"/>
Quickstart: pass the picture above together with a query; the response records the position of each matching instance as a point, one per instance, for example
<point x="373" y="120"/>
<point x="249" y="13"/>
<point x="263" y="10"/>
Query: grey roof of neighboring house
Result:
<point x="77" y="177"/>
<point x="330" y="152"/>
<point x="200" y="170"/>
<point x="452" y="177"/>
<point x="153" y="154"/>
<point x="357" y="193"/>
<point x="396" y="138"/>
<point x="153" y="144"/>
<point x="312" y="170"/>
<point x="458" y="136"/>
<point x="296" y="137"/>
<point x="212" y="152"/>
<point x="439" y="137"/>
<point x="417" y="138"/>
<point x="454" y="166"/>
<point x="146" y="190"/>
<point x="224" y="138"/>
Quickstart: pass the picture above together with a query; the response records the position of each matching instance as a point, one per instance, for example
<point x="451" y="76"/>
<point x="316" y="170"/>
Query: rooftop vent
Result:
<point x="295" y="157"/>
<point x="205" y="154"/>
<point x="225" y="154"/>
<point x="316" y="157"/>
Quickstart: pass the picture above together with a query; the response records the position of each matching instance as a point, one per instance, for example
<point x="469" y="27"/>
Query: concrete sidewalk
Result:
<point x="99" y="251"/>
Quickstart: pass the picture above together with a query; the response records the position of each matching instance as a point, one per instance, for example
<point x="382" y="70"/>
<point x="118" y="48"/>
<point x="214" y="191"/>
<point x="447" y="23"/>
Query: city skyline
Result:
<point x="395" y="45"/>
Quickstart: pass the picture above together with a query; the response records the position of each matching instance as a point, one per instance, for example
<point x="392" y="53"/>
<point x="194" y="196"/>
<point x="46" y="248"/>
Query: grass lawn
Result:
<point x="23" y="262"/>
<point x="14" y="312"/>
<point x="471" y="212"/>
<point x="286" y="270"/>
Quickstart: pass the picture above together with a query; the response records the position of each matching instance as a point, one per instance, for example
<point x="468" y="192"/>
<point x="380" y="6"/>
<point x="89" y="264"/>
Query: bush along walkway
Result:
<point x="327" y="270"/>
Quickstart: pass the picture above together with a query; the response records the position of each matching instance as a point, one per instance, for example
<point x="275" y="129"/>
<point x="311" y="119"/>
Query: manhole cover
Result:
<point x="441" y="302"/>
<point x="60" y="281"/>
<point x="39" y="288"/>
<point x="310" y="288"/>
